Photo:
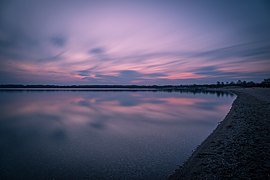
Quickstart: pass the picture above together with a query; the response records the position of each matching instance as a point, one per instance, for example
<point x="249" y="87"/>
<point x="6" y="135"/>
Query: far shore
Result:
<point x="239" y="147"/>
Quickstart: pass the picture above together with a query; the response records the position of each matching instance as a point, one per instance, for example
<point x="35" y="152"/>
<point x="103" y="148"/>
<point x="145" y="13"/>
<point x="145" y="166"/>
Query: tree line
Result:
<point x="239" y="83"/>
<point x="264" y="83"/>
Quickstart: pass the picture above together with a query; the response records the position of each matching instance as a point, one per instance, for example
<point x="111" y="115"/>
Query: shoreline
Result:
<point x="240" y="145"/>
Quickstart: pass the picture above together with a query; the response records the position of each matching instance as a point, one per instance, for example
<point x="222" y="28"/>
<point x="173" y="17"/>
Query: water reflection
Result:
<point x="127" y="134"/>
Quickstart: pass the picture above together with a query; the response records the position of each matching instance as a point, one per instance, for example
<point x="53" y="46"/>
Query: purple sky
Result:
<point x="133" y="42"/>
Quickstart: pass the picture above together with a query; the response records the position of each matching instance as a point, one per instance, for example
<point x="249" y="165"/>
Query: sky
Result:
<point x="134" y="42"/>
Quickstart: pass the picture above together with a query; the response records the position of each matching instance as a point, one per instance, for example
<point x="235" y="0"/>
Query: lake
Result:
<point x="103" y="134"/>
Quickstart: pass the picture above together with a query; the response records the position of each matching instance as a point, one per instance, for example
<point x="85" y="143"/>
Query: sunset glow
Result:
<point x="133" y="42"/>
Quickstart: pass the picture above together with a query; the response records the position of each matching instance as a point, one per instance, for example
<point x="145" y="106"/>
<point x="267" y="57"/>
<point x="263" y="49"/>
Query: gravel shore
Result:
<point x="239" y="148"/>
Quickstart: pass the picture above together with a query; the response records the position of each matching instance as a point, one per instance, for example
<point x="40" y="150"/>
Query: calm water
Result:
<point x="103" y="135"/>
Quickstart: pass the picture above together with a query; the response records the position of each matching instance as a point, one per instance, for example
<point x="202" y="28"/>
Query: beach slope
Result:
<point x="239" y="147"/>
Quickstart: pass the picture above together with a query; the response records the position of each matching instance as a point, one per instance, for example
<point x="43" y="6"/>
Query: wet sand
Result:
<point x="239" y="148"/>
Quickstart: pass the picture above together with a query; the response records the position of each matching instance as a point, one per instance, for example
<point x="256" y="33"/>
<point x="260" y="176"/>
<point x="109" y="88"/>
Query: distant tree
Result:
<point x="266" y="82"/>
<point x="251" y="84"/>
<point x="239" y="82"/>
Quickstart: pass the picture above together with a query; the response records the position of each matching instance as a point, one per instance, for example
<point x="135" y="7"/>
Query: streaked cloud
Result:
<point x="97" y="50"/>
<point x="58" y="41"/>
<point x="134" y="42"/>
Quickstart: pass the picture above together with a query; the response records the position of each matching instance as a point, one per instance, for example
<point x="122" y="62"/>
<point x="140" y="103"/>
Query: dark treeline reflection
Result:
<point x="201" y="91"/>
<point x="103" y="135"/>
<point x="175" y="90"/>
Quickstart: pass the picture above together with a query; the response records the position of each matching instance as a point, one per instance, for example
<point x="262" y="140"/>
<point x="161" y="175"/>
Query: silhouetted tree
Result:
<point x="266" y="82"/>
<point x="239" y="82"/>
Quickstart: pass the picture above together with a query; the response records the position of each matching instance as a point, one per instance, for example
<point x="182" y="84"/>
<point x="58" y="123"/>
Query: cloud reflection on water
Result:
<point x="82" y="126"/>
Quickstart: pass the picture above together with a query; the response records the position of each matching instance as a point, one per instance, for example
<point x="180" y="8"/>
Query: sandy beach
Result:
<point x="239" y="147"/>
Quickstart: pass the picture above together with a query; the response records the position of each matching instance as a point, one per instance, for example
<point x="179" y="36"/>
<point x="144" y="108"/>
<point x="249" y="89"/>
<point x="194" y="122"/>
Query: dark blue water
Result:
<point x="103" y="135"/>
